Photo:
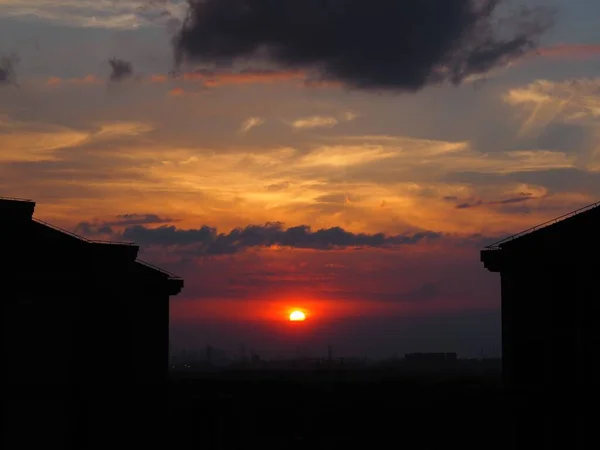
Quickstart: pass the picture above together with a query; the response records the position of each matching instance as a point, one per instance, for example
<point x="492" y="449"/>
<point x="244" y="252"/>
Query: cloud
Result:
<point x="346" y="155"/>
<point x="23" y="141"/>
<point x="175" y="92"/>
<point x="322" y="121"/>
<point x="93" y="228"/>
<point x="314" y="122"/>
<point x="577" y="51"/>
<point x="87" y="80"/>
<point x="544" y="101"/>
<point x="120" y="69"/>
<point x="36" y="142"/>
<point x="209" y="79"/>
<point x="276" y="187"/>
<point x="110" y="14"/>
<point x="522" y="197"/>
<point x="208" y="241"/>
<point x="165" y="12"/>
<point x="251" y="122"/>
<point x="562" y="114"/>
<point x="8" y="76"/>
<point x="216" y="78"/>
<point x="349" y="116"/>
<point x="112" y="130"/>
<point x="401" y="45"/>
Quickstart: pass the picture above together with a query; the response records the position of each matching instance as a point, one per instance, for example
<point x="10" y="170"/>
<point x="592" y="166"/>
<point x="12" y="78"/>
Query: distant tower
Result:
<point x="330" y="353"/>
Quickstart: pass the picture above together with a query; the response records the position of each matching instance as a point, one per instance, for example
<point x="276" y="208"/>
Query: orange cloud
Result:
<point x="53" y="81"/>
<point x="159" y="78"/>
<point x="244" y="77"/>
<point x="570" y="51"/>
<point x="89" y="79"/>
<point x="212" y="79"/>
<point x="176" y="91"/>
<point x="215" y="78"/>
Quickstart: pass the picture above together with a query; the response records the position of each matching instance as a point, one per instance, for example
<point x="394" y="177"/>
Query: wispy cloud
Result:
<point x="207" y="79"/>
<point x="569" y="51"/>
<point x="117" y="14"/>
<point x="343" y="156"/>
<point x="322" y="121"/>
<point x="544" y="101"/>
<point x="87" y="80"/>
<point x="314" y="122"/>
<point x="251" y="122"/>
<point x="36" y="142"/>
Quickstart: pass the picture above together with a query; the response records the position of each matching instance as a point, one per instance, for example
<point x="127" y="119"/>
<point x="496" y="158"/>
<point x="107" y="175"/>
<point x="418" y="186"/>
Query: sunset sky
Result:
<point x="350" y="160"/>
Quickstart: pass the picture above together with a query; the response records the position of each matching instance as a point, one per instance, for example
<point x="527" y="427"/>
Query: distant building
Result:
<point x="430" y="357"/>
<point x="550" y="301"/>
<point x="86" y="319"/>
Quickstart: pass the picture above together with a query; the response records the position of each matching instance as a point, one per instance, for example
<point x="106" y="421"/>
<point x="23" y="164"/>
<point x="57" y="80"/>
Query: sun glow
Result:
<point x="297" y="316"/>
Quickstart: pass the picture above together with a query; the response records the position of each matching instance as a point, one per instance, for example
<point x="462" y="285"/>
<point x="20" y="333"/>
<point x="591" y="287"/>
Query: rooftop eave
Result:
<point x="175" y="286"/>
<point x="492" y="259"/>
<point x="173" y="282"/>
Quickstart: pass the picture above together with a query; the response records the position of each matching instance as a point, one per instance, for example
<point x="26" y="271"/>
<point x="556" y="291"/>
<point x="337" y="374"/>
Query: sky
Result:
<point x="349" y="158"/>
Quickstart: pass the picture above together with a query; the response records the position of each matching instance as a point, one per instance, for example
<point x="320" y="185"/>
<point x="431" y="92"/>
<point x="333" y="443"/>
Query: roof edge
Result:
<point x="497" y="245"/>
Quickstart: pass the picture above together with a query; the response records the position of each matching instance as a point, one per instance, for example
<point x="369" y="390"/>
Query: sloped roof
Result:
<point x="556" y="222"/>
<point x="24" y="208"/>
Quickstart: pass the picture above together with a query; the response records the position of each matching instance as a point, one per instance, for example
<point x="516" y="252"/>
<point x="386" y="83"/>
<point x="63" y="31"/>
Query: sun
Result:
<point x="297" y="316"/>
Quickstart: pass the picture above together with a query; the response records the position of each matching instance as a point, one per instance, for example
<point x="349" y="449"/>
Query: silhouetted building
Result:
<point x="550" y="301"/>
<point x="84" y="321"/>
<point x="430" y="357"/>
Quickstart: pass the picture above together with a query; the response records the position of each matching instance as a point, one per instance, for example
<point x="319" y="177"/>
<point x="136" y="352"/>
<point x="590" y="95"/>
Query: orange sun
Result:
<point x="297" y="316"/>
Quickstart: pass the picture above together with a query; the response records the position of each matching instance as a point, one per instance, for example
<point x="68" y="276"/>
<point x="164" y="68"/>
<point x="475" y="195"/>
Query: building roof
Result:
<point x="18" y="210"/>
<point x="594" y="209"/>
<point x="560" y="239"/>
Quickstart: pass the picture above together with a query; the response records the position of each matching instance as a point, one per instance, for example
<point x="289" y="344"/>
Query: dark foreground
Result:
<point x="300" y="410"/>
<point x="288" y="414"/>
<point x="338" y="411"/>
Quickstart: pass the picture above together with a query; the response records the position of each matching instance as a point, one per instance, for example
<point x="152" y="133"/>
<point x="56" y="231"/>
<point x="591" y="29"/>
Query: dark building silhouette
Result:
<point x="550" y="302"/>
<point x="85" y="333"/>
<point x="431" y="357"/>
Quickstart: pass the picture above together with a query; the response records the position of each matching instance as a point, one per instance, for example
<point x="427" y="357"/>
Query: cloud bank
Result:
<point x="210" y="242"/>
<point x="401" y="45"/>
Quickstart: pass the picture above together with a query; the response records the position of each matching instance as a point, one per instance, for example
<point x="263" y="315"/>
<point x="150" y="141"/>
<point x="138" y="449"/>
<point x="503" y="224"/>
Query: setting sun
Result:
<point x="297" y="316"/>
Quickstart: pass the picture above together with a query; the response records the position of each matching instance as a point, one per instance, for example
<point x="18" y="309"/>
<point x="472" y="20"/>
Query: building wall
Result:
<point x="85" y="342"/>
<point x="550" y="324"/>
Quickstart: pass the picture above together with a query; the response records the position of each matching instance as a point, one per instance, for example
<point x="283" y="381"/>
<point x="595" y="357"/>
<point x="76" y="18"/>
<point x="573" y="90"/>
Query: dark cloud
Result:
<point x="555" y="180"/>
<point x="402" y="45"/>
<point x="278" y="187"/>
<point x="208" y="241"/>
<point x="139" y="219"/>
<point x="120" y="69"/>
<point x="94" y="228"/>
<point x="522" y="197"/>
<point x="335" y="198"/>
<point x="8" y="74"/>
